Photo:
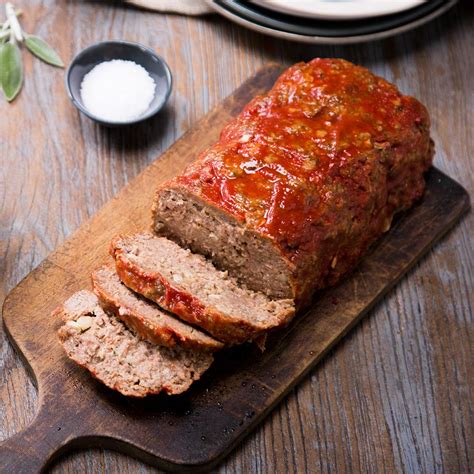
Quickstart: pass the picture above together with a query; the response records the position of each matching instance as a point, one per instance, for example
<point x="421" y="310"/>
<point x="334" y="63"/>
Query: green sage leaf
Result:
<point x="11" y="70"/>
<point x="43" y="50"/>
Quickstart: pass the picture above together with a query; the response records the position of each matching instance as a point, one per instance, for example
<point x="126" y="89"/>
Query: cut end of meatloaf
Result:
<point x="248" y="256"/>
<point x="191" y="287"/>
<point x="303" y="181"/>
<point x="145" y="317"/>
<point x="119" y="358"/>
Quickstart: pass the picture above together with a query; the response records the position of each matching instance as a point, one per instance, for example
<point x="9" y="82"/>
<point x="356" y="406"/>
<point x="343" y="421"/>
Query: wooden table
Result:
<point x="396" y="395"/>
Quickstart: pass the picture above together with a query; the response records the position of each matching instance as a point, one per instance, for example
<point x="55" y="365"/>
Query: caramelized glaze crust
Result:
<point x="318" y="165"/>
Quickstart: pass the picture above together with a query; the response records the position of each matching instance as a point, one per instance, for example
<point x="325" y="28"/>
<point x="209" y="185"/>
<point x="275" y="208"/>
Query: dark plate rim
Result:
<point x="334" y="28"/>
<point x="335" y="40"/>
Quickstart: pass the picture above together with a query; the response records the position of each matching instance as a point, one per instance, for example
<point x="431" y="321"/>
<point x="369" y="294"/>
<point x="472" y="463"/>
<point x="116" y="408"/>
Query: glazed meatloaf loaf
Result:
<point x="118" y="357"/>
<point x="190" y="286"/>
<point x="145" y="317"/>
<point x="303" y="181"/>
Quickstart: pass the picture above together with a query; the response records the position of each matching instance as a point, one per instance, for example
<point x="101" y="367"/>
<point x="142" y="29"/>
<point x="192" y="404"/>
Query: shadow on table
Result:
<point x="141" y="136"/>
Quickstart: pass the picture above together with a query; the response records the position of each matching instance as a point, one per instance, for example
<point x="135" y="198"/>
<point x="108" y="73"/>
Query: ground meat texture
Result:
<point x="303" y="181"/>
<point x="189" y="286"/>
<point x="145" y="317"/>
<point x="119" y="358"/>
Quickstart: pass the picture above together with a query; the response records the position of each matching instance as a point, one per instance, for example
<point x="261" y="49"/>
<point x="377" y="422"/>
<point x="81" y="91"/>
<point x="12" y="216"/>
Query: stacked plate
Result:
<point x="331" y="21"/>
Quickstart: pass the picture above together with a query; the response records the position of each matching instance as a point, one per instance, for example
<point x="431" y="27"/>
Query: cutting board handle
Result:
<point x="34" y="448"/>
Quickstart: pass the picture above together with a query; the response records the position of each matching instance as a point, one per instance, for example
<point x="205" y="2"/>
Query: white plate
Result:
<point x="338" y="9"/>
<point x="334" y="39"/>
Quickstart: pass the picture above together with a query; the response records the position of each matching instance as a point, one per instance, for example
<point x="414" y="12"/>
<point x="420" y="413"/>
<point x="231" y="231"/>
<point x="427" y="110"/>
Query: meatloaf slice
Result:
<point x="146" y="318"/>
<point x="303" y="181"/>
<point x="192" y="288"/>
<point x="118" y="357"/>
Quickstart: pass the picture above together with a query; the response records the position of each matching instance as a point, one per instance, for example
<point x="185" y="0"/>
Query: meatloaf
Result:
<point x="145" y="317"/>
<point x="118" y="357"/>
<point x="303" y="181"/>
<point x="189" y="286"/>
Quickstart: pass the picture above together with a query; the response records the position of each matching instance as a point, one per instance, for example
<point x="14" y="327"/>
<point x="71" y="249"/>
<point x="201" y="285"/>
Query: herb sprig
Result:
<point x="11" y="65"/>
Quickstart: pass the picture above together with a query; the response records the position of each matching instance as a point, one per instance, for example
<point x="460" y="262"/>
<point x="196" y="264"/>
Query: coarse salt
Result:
<point x="117" y="90"/>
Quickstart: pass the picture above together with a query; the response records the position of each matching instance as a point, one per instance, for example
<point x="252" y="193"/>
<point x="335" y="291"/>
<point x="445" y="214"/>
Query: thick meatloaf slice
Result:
<point x="146" y="318"/>
<point x="119" y="358"/>
<point x="303" y="181"/>
<point x="189" y="286"/>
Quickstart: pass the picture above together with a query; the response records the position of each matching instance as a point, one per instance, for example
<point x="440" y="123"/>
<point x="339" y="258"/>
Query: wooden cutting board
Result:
<point x="197" y="429"/>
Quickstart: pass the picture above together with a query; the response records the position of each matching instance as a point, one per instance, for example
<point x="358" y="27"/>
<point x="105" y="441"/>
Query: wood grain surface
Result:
<point x="397" y="394"/>
<point x="196" y="430"/>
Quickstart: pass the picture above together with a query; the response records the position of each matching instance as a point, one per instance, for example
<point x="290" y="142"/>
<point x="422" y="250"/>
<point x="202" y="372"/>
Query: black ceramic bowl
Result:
<point x="107" y="51"/>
